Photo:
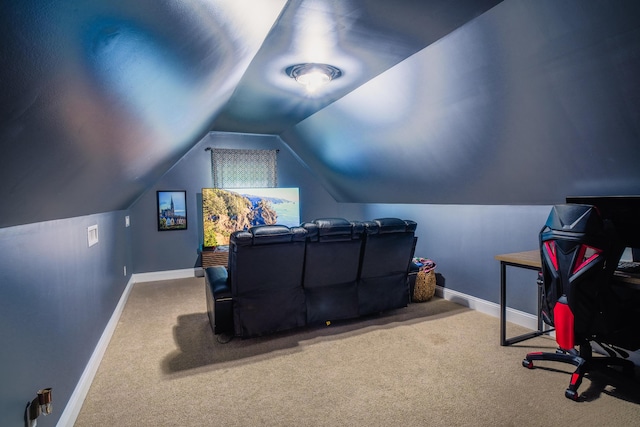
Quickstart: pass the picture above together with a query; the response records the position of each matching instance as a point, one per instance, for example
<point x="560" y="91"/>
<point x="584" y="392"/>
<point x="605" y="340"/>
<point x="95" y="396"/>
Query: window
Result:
<point x="243" y="168"/>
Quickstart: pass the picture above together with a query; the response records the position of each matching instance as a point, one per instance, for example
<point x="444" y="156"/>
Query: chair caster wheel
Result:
<point x="527" y="363"/>
<point x="571" y="394"/>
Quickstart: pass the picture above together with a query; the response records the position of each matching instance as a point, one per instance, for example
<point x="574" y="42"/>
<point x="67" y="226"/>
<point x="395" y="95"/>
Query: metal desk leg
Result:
<point x="504" y="341"/>
<point x="503" y="303"/>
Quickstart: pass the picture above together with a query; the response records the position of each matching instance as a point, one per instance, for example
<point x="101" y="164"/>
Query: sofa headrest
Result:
<point x="333" y="229"/>
<point x="390" y="225"/>
<point x="241" y="238"/>
<point x="411" y="225"/>
<point x="268" y="234"/>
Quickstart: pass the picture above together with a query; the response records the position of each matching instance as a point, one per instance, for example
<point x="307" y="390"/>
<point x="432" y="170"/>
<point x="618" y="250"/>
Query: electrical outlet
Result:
<point x="92" y="234"/>
<point x="127" y="222"/>
<point x="125" y="270"/>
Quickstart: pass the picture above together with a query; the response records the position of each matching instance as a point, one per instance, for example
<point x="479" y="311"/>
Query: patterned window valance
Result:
<point x="243" y="168"/>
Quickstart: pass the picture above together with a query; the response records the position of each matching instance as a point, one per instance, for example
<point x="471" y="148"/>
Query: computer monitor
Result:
<point x="623" y="212"/>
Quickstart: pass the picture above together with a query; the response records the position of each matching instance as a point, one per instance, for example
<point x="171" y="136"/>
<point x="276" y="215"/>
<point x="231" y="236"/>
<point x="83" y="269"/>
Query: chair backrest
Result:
<point x="575" y="249"/>
<point x="332" y="260"/>
<point x="265" y="271"/>
<point x="387" y="252"/>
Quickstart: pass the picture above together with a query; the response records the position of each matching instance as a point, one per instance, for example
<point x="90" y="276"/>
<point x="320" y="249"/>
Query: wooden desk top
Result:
<point x="626" y="280"/>
<point x="528" y="258"/>
<point x="532" y="259"/>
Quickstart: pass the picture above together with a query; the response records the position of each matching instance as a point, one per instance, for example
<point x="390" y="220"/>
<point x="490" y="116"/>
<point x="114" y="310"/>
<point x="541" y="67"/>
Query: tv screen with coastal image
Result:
<point x="227" y="210"/>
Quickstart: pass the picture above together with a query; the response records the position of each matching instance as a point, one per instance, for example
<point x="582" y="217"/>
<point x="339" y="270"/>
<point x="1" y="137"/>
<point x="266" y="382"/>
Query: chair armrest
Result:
<point x="217" y="279"/>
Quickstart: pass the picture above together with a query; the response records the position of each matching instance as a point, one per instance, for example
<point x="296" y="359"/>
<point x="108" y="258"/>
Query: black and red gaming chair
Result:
<point x="579" y="255"/>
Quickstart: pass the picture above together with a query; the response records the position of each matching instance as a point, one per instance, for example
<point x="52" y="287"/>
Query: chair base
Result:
<point x="584" y="363"/>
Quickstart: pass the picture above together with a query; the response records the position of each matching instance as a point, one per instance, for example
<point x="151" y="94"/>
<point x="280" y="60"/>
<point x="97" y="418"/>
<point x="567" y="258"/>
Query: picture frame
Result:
<point x="171" y="210"/>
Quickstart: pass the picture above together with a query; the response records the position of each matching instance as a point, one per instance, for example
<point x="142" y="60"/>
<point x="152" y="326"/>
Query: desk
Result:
<point x="531" y="261"/>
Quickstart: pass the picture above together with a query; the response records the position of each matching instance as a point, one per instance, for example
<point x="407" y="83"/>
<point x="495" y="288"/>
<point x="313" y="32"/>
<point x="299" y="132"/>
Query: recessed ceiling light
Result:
<point x="313" y="76"/>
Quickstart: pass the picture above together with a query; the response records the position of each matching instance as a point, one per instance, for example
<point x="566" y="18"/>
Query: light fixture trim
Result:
<point x="313" y="75"/>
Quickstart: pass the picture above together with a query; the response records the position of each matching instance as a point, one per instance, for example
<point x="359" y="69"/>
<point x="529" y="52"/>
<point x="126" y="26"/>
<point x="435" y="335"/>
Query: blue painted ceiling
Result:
<point x="465" y="101"/>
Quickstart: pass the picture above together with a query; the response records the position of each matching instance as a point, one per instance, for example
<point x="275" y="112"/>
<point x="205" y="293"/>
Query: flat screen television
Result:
<point x="227" y="210"/>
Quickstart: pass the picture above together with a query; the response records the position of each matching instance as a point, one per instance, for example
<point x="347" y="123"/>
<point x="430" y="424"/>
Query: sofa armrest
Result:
<point x="219" y="300"/>
<point x="217" y="279"/>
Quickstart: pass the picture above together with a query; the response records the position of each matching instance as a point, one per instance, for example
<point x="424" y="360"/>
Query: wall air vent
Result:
<point x="92" y="234"/>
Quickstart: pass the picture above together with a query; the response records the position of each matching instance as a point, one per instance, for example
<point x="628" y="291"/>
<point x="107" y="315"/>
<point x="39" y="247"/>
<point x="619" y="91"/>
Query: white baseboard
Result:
<point x="513" y="316"/>
<point x="73" y="407"/>
<point x="163" y="275"/>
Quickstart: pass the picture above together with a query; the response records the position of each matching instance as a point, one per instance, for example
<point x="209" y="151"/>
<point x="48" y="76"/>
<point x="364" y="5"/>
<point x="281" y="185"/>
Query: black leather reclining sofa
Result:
<point x="280" y="278"/>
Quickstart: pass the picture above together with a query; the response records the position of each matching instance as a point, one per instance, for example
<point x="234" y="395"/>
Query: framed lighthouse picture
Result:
<point x="172" y="210"/>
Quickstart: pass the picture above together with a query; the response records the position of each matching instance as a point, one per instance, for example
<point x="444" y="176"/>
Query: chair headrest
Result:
<point x="268" y="234"/>
<point x="333" y="229"/>
<point x="574" y="218"/>
<point x="390" y="225"/>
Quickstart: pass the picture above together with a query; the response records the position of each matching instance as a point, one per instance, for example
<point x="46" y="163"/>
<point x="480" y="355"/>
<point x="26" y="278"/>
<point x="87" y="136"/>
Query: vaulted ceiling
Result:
<point x="362" y="38"/>
<point x="458" y="101"/>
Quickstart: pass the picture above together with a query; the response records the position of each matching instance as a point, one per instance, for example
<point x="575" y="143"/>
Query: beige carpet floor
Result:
<point x="430" y="364"/>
